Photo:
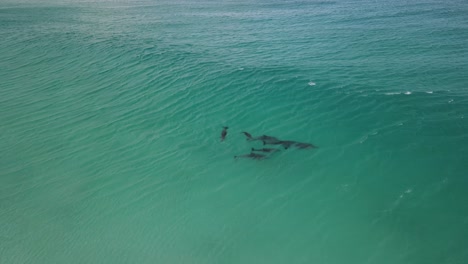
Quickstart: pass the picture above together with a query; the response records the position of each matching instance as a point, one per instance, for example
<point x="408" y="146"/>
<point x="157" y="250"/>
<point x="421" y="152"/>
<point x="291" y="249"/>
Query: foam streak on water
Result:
<point x="111" y="114"/>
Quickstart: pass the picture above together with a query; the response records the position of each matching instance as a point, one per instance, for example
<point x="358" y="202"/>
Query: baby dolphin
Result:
<point x="251" y="156"/>
<point x="248" y="135"/>
<point x="266" y="150"/>
<point x="224" y="133"/>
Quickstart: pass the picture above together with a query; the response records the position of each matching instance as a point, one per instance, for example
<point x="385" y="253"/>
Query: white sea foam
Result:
<point x="406" y="192"/>
<point x="394" y="93"/>
<point x="311" y="83"/>
<point x="429" y="92"/>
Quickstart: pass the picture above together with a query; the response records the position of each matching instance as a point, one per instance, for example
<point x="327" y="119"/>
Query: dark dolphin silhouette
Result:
<point x="224" y="133"/>
<point x="285" y="143"/>
<point x="264" y="138"/>
<point x="269" y="140"/>
<point x="266" y="149"/>
<point x="251" y="155"/>
<point x="248" y="135"/>
<point x="289" y="143"/>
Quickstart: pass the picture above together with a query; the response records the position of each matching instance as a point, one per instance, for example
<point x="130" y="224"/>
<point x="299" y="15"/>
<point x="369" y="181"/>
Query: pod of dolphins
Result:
<point x="267" y="140"/>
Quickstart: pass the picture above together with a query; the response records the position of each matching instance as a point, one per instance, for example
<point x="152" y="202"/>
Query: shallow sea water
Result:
<point x="111" y="114"/>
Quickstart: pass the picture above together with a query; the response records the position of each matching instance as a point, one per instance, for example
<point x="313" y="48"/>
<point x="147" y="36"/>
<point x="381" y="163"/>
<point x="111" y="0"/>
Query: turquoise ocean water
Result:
<point x="111" y="114"/>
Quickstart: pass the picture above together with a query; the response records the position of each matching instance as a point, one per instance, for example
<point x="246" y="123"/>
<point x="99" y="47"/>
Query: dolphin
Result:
<point x="224" y="133"/>
<point x="264" y="138"/>
<point x="269" y="140"/>
<point x="248" y="135"/>
<point x="251" y="155"/>
<point x="289" y="143"/>
<point x="285" y="143"/>
<point x="266" y="149"/>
